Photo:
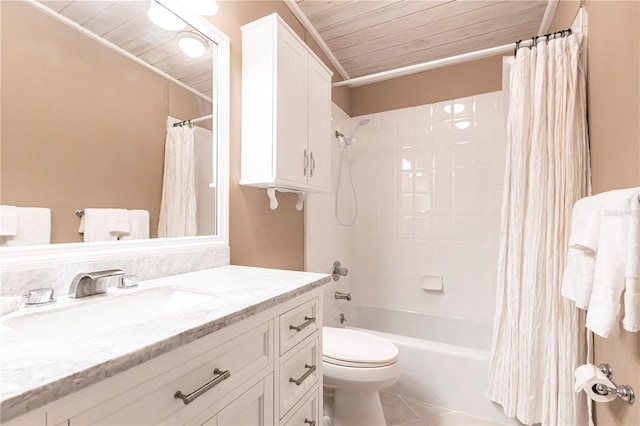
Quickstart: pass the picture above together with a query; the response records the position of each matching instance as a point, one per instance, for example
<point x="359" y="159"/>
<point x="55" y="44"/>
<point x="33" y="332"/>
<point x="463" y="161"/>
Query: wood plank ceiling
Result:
<point x="126" y="24"/>
<point x="370" y="36"/>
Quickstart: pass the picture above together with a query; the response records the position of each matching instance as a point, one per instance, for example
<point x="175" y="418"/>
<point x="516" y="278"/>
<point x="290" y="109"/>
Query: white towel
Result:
<point x="585" y="222"/>
<point x="34" y="227"/>
<point x="119" y="222"/>
<point x="8" y="221"/>
<point x="631" y="321"/>
<point x="139" y="220"/>
<point x="611" y="259"/>
<point x="577" y="280"/>
<point x="95" y="224"/>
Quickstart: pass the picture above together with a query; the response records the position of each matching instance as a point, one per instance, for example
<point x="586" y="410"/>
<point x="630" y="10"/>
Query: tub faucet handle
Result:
<point x="338" y="270"/>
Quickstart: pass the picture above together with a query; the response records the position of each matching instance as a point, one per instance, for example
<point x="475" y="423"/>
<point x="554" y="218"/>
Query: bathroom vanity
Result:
<point x="229" y="345"/>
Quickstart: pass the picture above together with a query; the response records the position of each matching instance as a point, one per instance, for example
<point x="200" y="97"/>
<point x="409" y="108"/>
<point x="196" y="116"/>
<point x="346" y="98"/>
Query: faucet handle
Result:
<point x="338" y="270"/>
<point x="128" y="281"/>
<point x="38" y="297"/>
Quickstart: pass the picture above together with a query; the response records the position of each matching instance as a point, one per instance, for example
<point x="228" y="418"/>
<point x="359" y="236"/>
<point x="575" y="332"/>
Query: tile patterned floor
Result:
<point x="400" y="410"/>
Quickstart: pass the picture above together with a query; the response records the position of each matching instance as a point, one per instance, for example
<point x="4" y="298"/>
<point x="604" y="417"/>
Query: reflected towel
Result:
<point x="139" y="220"/>
<point x="34" y="227"/>
<point x="95" y="225"/>
<point x="8" y="221"/>
<point x="119" y="222"/>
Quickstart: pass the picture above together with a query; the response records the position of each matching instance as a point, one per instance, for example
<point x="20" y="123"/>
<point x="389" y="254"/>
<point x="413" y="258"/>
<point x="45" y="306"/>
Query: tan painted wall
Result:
<point x="614" y="132"/>
<point x="82" y="125"/>
<point x="456" y="81"/>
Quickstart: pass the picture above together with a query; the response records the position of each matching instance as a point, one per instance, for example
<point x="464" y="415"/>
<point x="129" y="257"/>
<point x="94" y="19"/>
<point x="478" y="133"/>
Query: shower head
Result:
<point x="348" y="140"/>
<point x="362" y="122"/>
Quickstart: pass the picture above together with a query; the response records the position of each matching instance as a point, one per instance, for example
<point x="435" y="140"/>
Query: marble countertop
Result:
<point x="35" y="372"/>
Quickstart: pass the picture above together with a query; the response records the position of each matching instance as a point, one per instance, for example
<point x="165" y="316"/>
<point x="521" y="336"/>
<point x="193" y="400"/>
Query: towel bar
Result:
<point x="79" y="212"/>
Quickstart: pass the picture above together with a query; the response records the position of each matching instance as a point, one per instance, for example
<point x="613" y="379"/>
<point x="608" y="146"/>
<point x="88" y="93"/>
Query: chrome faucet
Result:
<point x="90" y="283"/>
<point x="340" y="295"/>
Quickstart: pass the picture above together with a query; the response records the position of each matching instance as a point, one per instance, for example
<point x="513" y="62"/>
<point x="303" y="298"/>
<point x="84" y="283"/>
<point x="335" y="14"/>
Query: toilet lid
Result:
<point x="354" y="348"/>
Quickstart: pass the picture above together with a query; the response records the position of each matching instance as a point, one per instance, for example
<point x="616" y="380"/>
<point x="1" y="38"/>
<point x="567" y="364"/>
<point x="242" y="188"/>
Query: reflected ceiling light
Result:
<point x="457" y="108"/>
<point x="192" y="44"/>
<point x="462" y="124"/>
<point x="162" y="17"/>
<point x="202" y="7"/>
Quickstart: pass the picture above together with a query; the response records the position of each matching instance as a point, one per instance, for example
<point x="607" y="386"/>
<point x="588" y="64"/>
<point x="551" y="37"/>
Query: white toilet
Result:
<point x="356" y="366"/>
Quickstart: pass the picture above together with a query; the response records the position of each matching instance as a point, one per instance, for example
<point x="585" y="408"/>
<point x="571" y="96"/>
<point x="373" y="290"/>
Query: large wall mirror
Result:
<point x="89" y="91"/>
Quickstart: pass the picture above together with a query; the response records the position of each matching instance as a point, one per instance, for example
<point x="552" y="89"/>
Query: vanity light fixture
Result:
<point x="202" y="7"/>
<point x="164" y="18"/>
<point x="192" y="44"/>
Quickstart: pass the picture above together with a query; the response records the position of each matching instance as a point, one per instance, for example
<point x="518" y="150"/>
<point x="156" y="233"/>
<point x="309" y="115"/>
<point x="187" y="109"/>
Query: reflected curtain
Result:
<point x="537" y="338"/>
<point x="178" y="210"/>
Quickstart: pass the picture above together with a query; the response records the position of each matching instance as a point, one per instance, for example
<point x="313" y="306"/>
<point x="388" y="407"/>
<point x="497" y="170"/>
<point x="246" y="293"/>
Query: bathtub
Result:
<point x="444" y="361"/>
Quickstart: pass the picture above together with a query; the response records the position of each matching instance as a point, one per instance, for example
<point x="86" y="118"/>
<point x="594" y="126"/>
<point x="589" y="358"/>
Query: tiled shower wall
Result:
<point x="429" y="185"/>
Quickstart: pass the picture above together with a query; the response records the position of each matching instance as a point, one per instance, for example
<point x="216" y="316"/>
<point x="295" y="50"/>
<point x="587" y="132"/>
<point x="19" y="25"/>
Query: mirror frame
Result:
<point x="30" y="257"/>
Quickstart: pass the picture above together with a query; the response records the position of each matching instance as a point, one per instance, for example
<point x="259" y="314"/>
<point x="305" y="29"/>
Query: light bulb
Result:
<point x="163" y="18"/>
<point x="192" y="44"/>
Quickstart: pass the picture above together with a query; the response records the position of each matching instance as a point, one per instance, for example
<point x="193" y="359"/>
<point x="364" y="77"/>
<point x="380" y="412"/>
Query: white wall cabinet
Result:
<point x="286" y="110"/>
<point x="261" y="376"/>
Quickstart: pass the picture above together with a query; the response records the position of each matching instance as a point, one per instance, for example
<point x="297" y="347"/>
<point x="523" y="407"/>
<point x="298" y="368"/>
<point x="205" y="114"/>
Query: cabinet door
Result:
<point x="320" y="137"/>
<point x="292" y="103"/>
<point x="252" y="408"/>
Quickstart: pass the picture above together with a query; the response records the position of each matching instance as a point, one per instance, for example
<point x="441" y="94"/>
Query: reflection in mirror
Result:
<point x="85" y="126"/>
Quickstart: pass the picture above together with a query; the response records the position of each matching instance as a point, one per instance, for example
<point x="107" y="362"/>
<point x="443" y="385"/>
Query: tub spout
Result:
<point x="339" y="295"/>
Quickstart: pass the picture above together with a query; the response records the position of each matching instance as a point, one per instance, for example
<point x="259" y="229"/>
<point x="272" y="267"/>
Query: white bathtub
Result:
<point x="444" y="361"/>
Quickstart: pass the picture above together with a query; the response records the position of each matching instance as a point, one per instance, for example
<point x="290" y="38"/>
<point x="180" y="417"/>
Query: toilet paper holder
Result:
<point x="624" y="392"/>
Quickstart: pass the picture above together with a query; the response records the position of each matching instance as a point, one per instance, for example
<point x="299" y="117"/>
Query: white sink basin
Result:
<point x="97" y="314"/>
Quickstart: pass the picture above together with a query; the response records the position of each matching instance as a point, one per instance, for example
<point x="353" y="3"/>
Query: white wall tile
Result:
<point x="429" y="183"/>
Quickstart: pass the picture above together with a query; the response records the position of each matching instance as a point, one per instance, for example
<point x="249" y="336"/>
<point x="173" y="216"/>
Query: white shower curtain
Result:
<point x="178" y="212"/>
<point x="537" y="338"/>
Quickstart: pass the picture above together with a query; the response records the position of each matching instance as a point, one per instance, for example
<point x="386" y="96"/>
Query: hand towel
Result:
<point x="611" y="259"/>
<point x="95" y="225"/>
<point x="119" y="222"/>
<point x="585" y="222"/>
<point x="139" y="220"/>
<point x="34" y="227"/>
<point x="577" y="280"/>
<point x="631" y="321"/>
<point x="8" y="221"/>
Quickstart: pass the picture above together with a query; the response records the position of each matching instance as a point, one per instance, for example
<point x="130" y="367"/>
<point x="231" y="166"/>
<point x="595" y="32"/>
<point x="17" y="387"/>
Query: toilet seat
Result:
<point x="352" y="348"/>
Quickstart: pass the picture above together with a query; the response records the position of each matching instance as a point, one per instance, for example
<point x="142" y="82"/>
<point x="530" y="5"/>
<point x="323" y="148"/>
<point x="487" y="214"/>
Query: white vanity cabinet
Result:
<point x="286" y="110"/>
<point x="263" y="370"/>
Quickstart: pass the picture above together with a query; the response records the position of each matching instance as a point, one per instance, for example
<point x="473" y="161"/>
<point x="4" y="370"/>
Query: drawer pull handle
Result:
<point x="298" y="382"/>
<point x="188" y="399"/>
<point x="310" y="422"/>
<point x="307" y="321"/>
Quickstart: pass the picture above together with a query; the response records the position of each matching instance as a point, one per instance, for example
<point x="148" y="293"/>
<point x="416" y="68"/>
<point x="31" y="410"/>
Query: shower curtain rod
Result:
<point x="193" y="120"/>
<point x="439" y="63"/>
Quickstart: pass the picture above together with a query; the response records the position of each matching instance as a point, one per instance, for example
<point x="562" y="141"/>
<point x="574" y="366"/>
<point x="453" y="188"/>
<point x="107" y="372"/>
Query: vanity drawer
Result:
<point x="306" y="413"/>
<point x="299" y="373"/>
<point x="153" y="400"/>
<point x="298" y="323"/>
